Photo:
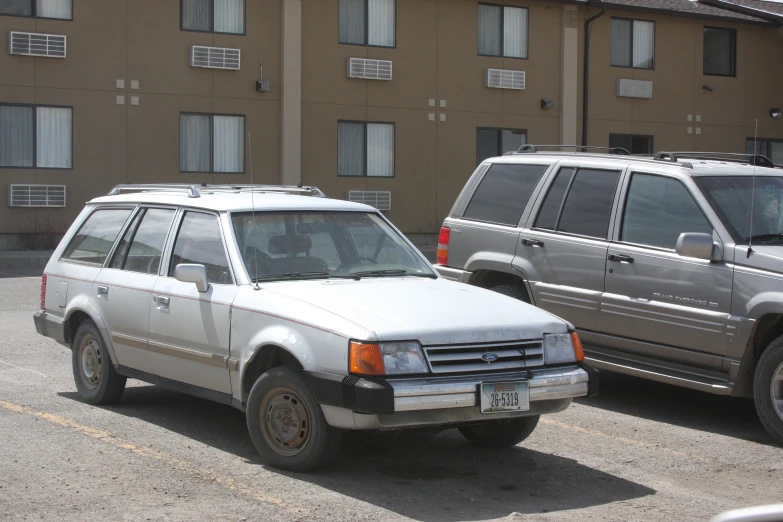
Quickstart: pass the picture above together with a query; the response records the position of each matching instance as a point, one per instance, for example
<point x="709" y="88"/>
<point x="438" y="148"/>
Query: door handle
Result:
<point x="161" y="300"/>
<point x="619" y="258"/>
<point x="533" y="242"/>
<point x="103" y="291"/>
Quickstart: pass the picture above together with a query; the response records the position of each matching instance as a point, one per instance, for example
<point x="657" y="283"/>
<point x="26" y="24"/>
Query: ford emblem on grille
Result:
<point x="489" y="357"/>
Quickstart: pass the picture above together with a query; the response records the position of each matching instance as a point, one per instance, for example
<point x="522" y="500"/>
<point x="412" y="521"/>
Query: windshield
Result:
<point x="730" y="197"/>
<point x="285" y="245"/>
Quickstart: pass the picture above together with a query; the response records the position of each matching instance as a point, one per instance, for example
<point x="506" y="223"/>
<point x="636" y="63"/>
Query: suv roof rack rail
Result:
<point x="194" y="191"/>
<point x="750" y="159"/>
<point x="528" y="148"/>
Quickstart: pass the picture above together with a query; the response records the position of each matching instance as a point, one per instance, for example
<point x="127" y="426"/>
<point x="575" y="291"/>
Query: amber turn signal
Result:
<point x="365" y="359"/>
<point x="578" y="351"/>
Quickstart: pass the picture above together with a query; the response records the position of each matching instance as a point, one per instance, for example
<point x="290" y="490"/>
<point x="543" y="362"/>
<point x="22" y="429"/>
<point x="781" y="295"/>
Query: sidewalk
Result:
<point x="11" y="259"/>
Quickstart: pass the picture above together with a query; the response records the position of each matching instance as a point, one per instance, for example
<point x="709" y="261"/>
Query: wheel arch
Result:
<point x="265" y="357"/>
<point x="487" y="278"/>
<point x="768" y="327"/>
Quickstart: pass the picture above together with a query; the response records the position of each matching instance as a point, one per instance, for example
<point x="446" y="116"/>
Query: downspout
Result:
<point x="586" y="71"/>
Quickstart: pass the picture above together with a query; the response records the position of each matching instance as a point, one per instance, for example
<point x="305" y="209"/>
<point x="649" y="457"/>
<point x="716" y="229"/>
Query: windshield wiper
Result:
<point x="392" y="272"/>
<point x="765" y="237"/>
<point x="301" y="275"/>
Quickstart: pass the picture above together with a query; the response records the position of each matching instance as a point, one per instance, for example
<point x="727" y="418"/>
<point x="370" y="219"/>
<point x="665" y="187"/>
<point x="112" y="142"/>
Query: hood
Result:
<point x="764" y="257"/>
<point x="432" y="311"/>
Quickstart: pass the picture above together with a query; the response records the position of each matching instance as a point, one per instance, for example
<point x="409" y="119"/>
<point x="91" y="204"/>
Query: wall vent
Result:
<point x="505" y="79"/>
<point x="215" y="57"/>
<point x="36" y="44"/>
<point x="634" y="88"/>
<point x="36" y="195"/>
<point x="380" y="199"/>
<point x="369" y="69"/>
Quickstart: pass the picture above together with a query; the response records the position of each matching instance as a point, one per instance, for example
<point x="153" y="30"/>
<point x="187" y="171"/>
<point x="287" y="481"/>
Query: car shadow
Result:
<point x="730" y="416"/>
<point x="427" y="476"/>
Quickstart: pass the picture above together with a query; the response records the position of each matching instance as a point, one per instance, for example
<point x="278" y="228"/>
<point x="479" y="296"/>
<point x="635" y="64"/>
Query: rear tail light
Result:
<point x="443" y="246"/>
<point x="43" y="292"/>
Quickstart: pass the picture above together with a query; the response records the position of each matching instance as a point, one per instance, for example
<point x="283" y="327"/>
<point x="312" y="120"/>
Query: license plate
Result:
<point x="499" y="397"/>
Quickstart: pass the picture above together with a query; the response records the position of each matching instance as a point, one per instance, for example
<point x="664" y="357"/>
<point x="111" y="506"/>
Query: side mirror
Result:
<point x="697" y="245"/>
<point x="196" y="274"/>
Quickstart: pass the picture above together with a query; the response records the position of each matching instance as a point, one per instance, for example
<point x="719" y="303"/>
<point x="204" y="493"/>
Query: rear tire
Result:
<point x="768" y="389"/>
<point x="516" y="291"/>
<point x="501" y="434"/>
<point x="286" y="423"/>
<point x="93" y="371"/>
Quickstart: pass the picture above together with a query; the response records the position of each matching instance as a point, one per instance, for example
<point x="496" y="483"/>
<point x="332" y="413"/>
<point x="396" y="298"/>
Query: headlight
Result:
<point x="562" y="348"/>
<point x="396" y="358"/>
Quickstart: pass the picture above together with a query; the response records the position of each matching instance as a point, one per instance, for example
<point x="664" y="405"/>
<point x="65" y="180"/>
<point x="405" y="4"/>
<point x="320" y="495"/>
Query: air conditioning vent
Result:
<point x="505" y="79"/>
<point x="369" y="69"/>
<point x="634" y="88"/>
<point x="36" y="44"/>
<point x="215" y="57"/>
<point x="36" y="196"/>
<point x="380" y="199"/>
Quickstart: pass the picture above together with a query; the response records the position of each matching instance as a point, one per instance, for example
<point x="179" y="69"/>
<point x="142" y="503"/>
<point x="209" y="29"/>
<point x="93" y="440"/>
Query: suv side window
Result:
<point x="657" y="210"/>
<point x="503" y="193"/>
<point x="579" y="202"/>
<point x="92" y="243"/>
<point x="147" y="235"/>
<point x="199" y="242"/>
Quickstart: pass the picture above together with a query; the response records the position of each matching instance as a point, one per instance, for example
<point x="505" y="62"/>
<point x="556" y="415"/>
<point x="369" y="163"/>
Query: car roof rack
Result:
<point x="528" y="148"/>
<point x="749" y="159"/>
<point x="194" y="191"/>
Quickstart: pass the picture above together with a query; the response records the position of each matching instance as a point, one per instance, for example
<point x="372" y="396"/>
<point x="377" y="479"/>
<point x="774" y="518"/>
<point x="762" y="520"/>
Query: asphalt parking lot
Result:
<point x="638" y="451"/>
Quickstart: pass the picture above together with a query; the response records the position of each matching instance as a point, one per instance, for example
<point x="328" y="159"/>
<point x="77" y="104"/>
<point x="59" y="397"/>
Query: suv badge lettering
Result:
<point x="490" y="357"/>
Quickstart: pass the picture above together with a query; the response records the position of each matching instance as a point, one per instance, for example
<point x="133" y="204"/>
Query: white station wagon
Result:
<point x="312" y="315"/>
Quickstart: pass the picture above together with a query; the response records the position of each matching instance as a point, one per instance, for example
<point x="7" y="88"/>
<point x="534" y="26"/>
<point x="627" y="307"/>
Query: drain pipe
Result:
<point x="588" y="27"/>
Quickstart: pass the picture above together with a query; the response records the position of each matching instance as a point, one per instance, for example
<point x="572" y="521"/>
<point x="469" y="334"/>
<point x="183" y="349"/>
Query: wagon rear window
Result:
<point x="503" y="193"/>
<point x="94" y="240"/>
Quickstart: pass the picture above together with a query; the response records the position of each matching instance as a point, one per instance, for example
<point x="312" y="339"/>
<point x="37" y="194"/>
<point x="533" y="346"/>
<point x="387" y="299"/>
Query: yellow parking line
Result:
<point x="187" y="467"/>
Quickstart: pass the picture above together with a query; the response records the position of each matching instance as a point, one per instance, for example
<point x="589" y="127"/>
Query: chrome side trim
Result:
<point x="186" y="353"/>
<point x="127" y="340"/>
<point x="233" y="364"/>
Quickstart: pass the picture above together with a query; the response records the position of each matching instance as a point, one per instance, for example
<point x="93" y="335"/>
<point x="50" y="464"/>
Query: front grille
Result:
<point x="461" y="358"/>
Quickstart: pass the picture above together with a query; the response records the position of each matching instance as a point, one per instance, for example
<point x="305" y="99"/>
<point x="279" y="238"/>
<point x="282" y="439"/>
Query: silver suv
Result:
<point x="311" y="315"/>
<point x="670" y="268"/>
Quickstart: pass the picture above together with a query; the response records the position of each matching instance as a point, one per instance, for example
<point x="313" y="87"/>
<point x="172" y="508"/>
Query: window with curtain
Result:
<point x="213" y="16"/>
<point x="502" y="31"/>
<point x="720" y="51"/>
<point x="36" y="137"/>
<point x="365" y="149"/>
<point x="57" y="9"/>
<point x="491" y="143"/>
<point x="632" y="43"/>
<point x="211" y="143"/>
<point x="367" y="22"/>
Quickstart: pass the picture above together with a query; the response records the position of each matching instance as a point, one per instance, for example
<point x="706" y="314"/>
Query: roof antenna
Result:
<point x="253" y="204"/>
<point x="753" y="188"/>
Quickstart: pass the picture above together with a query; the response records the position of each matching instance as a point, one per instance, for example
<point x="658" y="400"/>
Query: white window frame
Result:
<point x="36" y="138"/>
<point x="367" y="35"/>
<point x="211" y="117"/>
<point x="367" y="159"/>
<point x="34" y="8"/>
<point x="502" y="30"/>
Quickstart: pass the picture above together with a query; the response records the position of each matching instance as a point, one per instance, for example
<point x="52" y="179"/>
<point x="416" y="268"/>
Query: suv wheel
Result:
<point x="768" y="389"/>
<point x="93" y="371"/>
<point x="515" y="291"/>
<point x="286" y="423"/>
<point x="501" y="434"/>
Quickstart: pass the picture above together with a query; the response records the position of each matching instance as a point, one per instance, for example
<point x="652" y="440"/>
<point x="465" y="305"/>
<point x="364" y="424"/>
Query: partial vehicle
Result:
<point x="670" y="267"/>
<point x="311" y="315"/>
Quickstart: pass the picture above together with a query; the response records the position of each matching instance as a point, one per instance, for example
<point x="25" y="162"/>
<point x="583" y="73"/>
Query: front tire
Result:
<point x="286" y="423"/>
<point x="93" y="371"/>
<point x="768" y="389"/>
<point x="501" y="434"/>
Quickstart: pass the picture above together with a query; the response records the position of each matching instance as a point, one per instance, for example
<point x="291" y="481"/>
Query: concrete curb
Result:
<point x="25" y="259"/>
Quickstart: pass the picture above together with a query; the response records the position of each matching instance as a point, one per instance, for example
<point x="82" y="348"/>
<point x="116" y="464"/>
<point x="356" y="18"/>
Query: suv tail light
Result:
<point x="443" y="246"/>
<point x="43" y="292"/>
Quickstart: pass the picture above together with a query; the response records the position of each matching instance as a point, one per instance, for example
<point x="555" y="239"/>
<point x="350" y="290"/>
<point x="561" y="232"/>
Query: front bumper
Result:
<point x="50" y="326"/>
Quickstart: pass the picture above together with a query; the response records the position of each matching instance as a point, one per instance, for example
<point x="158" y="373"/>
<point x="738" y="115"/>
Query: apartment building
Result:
<point x="391" y="102"/>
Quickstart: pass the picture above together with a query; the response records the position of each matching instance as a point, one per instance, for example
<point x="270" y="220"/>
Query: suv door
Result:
<point x="189" y="330"/>
<point x="562" y="251"/>
<point x="124" y="287"/>
<point x="652" y="293"/>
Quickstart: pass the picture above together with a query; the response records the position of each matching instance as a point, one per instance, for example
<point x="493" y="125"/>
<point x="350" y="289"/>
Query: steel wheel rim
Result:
<point x="776" y="391"/>
<point x="285" y="422"/>
<point x="90" y="362"/>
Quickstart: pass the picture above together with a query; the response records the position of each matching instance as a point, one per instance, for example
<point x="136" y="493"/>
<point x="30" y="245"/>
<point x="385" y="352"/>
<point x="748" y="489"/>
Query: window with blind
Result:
<point x="720" y="51"/>
<point x="36" y="137"/>
<point x="496" y="142"/>
<point x="633" y="143"/>
<point x="213" y="16"/>
<point x="502" y="31"/>
<point x="56" y="9"/>
<point x="365" y="149"/>
<point x="771" y="148"/>
<point x="368" y="22"/>
<point x="211" y="143"/>
<point x="633" y="43"/>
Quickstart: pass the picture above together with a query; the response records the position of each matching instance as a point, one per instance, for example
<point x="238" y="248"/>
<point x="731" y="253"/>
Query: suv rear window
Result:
<point x="96" y="236"/>
<point x="503" y="193"/>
